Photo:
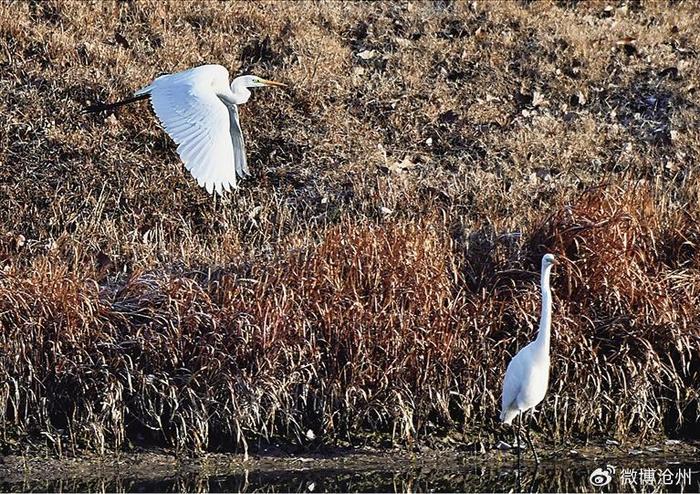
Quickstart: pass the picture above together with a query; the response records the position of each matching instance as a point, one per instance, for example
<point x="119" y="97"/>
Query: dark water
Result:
<point x="553" y="476"/>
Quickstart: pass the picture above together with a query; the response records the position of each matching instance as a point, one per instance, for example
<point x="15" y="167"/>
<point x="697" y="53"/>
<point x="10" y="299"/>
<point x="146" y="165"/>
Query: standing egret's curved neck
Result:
<point x="546" y="316"/>
<point x="241" y="94"/>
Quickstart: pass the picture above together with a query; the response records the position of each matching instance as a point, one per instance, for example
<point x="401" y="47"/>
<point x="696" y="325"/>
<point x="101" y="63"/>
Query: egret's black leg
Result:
<point x="529" y="441"/>
<point x="517" y="445"/>
<point x="533" y="484"/>
<point x="111" y="106"/>
<point x="517" y="436"/>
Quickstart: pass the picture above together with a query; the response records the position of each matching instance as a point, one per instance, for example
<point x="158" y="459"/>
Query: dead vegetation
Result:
<point x="377" y="272"/>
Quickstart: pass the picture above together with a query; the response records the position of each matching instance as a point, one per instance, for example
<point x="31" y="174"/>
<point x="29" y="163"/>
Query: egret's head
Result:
<point x="255" y="81"/>
<point x="549" y="260"/>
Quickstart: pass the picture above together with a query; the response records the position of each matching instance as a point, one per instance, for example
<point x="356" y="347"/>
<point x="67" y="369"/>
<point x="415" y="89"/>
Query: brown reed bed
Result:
<point x="374" y="277"/>
<point x="380" y="327"/>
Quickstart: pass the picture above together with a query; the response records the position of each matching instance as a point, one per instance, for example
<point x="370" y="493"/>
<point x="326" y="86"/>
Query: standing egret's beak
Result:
<point x="272" y="83"/>
<point x="556" y="261"/>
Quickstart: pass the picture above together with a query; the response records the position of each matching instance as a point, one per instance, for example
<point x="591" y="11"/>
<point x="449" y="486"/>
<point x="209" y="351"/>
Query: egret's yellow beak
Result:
<point x="272" y="83"/>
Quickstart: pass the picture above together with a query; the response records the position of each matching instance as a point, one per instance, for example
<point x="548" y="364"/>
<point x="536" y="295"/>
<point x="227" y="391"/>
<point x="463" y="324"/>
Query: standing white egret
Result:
<point x="199" y="110"/>
<point x="527" y="376"/>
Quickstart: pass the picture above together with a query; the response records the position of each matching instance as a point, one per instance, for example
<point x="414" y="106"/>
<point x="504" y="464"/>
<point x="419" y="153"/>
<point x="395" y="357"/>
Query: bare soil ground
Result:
<point x="379" y="269"/>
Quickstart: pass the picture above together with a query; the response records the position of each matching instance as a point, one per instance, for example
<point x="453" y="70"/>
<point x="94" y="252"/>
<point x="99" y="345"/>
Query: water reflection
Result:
<point x="564" y="476"/>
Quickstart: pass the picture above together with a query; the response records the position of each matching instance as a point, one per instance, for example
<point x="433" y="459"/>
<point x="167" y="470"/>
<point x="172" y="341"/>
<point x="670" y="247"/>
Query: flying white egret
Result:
<point x="527" y="375"/>
<point x="199" y="110"/>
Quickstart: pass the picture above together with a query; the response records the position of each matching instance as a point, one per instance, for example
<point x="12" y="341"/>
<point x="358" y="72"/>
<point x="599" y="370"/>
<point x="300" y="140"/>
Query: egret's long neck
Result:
<point x="241" y="94"/>
<point x="546" y="316"/>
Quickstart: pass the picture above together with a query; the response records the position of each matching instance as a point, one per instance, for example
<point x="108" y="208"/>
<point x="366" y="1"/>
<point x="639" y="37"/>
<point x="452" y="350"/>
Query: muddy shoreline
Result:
<point x="32" y="472"/>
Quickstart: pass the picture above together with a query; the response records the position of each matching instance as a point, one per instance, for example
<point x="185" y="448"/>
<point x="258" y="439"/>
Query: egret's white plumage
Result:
<point x="199" y="109"/>
<point x="527" y="375"/>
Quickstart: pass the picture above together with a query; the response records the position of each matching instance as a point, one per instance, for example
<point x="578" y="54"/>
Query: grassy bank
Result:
<point x="378" y="271"/>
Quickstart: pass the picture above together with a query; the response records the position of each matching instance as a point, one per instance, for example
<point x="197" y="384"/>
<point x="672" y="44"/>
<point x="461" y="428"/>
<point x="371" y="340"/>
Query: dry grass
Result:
<point x="377" y="272"/>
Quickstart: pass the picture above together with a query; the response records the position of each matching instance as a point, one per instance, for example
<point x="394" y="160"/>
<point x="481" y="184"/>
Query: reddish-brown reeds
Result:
<point x="381" y="327"/>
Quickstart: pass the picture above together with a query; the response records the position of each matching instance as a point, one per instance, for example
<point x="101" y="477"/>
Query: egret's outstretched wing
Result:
<point x="192" y="114"/>
<point x="237" y="141"/>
